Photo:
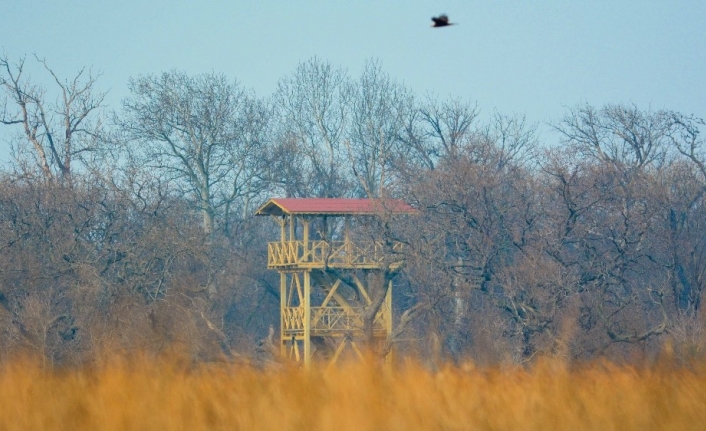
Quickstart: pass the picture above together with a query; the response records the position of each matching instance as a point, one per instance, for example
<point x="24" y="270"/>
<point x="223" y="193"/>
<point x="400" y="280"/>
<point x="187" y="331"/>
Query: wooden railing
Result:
<point x="328" y="319"/>
<point x="293" y="319"/>
<point x="315" y="254"/>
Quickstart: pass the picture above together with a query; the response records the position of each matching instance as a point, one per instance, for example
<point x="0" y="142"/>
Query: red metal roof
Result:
<point x="333" y="206"/>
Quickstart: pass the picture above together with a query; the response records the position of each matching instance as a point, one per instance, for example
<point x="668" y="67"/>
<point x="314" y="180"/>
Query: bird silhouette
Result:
<point x="441" y="21"/>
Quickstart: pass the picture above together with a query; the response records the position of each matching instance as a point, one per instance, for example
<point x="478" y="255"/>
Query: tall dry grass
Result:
<point x="158" y="394"/>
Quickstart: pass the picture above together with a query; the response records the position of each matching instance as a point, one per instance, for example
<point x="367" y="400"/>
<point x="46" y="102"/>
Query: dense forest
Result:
<point x="132" y="227"/>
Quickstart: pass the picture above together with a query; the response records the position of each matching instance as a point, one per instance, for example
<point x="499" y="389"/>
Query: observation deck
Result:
<point x="329" y="321"/>
<point x="329" y="249"/>
<point x="328" y="254"/>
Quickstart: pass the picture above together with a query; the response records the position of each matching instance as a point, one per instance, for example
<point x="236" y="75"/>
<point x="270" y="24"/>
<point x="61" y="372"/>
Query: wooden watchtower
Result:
<point x="323" y="271"/>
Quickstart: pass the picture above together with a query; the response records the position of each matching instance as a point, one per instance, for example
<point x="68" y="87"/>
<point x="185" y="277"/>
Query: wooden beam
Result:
<point x="341" y="301"/>
<point x="362" y="290"/>
<point x="298" y="283"/>
<point x="339" y="349"/>
<point x="290" y="291"/>
<point x="295" y="349"/>
<point x="331" y="293"/>
<point x="357" y="350"/>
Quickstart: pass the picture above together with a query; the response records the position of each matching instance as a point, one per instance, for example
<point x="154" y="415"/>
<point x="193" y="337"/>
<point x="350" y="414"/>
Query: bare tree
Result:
<point x="619" y="218"/>
<point x="513" y="138"/>
<point x="432" y="131"/>
<point x="447" y="125"/>
<point x="619" y="134"/>
<point x="378" y="108"/>
<point x="313" y="107"/>
<point x="481" y="217"/>
<point x="203" y="133"/>
<point x="58" y="131"/>
<point x="684" y="215"/>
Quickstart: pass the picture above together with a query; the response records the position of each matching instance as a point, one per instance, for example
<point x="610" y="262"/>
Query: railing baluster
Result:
<point x="333" y="253"/>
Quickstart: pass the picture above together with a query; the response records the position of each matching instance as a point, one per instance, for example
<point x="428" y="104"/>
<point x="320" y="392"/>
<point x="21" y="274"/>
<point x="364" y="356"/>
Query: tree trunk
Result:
<point x="378" y="285"/>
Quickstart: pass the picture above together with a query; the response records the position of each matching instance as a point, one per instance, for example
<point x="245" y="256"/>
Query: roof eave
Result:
<point x="267" y="209"/>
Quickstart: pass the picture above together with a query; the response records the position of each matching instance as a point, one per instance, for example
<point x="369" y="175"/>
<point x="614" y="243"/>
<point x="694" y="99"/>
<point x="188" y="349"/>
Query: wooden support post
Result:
<point x="346" y="228"/>
<point x="307" y="319"/>
<point x="388" y="322"/>
<point x="292" y="228"/>
<point x="295" y="349"/>
<point x="305" y="239"/>
<point x="283" y="229"/>
<point x="283" y="305"/>
<point x="346" y="237"/>
<point x="387" y="312"/>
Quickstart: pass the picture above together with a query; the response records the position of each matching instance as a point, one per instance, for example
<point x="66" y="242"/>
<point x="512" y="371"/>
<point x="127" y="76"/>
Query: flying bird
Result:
<point x="441" y="21"/>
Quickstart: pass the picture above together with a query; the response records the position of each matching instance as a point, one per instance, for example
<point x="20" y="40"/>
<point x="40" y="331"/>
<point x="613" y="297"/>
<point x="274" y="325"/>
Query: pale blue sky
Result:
<point x="529" y="57"/>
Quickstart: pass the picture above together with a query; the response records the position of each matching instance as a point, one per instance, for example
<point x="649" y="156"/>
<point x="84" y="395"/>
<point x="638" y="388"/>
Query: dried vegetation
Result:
<point x="159" y="394"/>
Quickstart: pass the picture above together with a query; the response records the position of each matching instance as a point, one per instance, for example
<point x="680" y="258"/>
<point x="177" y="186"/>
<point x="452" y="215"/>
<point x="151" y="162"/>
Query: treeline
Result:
<point x="132" y="227"/>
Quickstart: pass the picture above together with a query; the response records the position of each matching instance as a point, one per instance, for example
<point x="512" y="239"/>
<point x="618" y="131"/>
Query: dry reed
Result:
<point x="158" y="394"/>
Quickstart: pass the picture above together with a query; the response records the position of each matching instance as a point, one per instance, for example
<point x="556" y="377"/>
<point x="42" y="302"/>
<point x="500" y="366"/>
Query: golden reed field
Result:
<point x="159" y="394"/>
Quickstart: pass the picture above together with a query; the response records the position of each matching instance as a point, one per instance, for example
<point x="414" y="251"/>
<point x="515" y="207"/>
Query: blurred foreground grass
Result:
<point x="158" y="394"/>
